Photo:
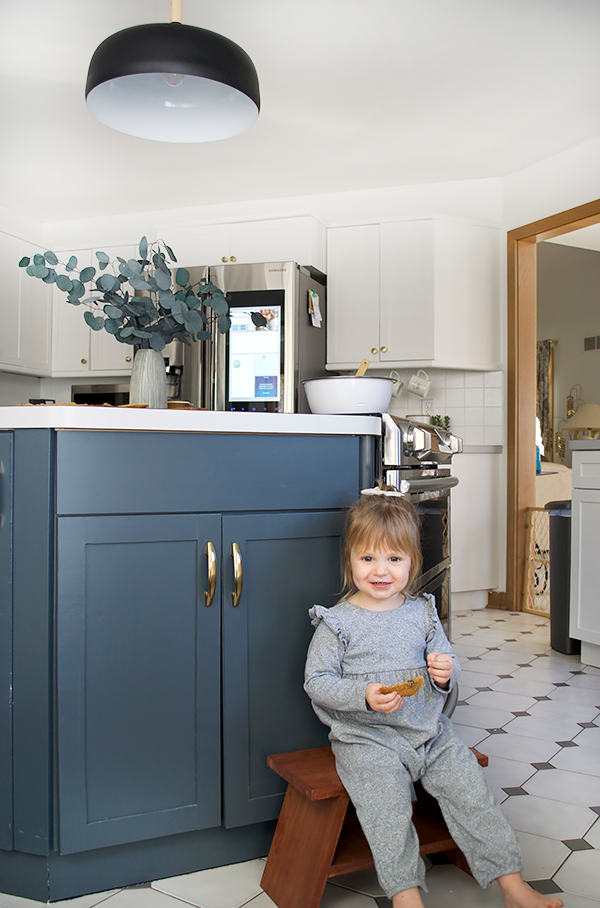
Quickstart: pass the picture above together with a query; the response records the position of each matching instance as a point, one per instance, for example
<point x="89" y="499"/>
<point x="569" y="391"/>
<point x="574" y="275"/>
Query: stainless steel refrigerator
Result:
<point x="260" y="367"/>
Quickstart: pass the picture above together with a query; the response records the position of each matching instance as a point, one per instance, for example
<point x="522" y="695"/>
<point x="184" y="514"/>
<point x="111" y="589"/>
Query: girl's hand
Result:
<point x="440" y="667"/>
<point x="382" y="703"/>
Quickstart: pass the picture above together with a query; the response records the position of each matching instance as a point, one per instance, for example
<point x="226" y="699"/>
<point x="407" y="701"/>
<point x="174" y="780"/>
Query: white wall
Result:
<point x="555" y="184"/>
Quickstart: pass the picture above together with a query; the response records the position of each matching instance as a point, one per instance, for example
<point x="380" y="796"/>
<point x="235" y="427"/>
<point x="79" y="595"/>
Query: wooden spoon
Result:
<point x="363" y="367"/>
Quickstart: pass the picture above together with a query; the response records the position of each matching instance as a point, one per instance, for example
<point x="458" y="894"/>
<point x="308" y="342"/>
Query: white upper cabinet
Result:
<point x="418" y="293"/>
<point x="25" y="311"/>
<point x="299" y="239"/>
<point x="76" y="349"/>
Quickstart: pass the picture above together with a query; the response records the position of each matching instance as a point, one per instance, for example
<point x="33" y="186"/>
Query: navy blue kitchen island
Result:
<point x="156" y="569"/>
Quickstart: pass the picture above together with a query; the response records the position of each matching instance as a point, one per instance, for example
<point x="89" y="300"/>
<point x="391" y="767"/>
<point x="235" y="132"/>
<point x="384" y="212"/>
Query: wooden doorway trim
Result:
<point x="521" y="383"/>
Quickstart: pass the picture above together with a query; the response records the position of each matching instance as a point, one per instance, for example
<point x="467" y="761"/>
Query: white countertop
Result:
<point x="134" y="420"/>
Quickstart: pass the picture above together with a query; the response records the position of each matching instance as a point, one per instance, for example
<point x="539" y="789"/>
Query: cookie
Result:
<point x="406" y="689"/>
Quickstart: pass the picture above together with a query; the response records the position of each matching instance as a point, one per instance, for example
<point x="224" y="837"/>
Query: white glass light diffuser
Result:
<point x="173" y="83"/>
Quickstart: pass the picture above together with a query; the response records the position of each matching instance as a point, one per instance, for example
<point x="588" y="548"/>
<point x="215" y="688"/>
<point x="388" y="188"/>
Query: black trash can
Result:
<point x="560" y="578"/>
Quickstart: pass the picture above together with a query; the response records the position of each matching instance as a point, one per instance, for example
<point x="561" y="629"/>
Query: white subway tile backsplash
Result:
<point x="493" y="416"/>
<point x="455" y="397"/>
<point x="474" y="402"/>
<point x="474" y="379"/>
<point x="474" y="416"/>
<point x="493" y="379"/>
<point x="493" y="397"/>
<point x="455" y="379"/>
<point x="473" y="397"/>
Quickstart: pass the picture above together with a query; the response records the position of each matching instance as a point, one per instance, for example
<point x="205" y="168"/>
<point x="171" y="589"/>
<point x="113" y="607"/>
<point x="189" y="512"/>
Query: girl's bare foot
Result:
<point x="408" y="898"/>
<point x="518" y="894"/>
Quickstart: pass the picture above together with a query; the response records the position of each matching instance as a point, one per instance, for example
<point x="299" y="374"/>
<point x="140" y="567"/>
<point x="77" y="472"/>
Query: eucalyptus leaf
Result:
<point x="163" y="279"/>
<point x="96" y="322"/>
<point x="168" y="308"/>
<point x="113" y="312"/>
<point x="64" y="283"/>
<point x="217" y="305"/>
<point x="87" y="274"/>
<point x="138" y="283"/>
<point x="78" y="289"/>
<point x="157" y="342"/>
<point x="107" y="282"/>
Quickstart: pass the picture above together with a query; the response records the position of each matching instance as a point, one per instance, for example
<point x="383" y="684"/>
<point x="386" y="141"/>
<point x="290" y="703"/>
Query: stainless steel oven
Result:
<point x="416" y="459"/>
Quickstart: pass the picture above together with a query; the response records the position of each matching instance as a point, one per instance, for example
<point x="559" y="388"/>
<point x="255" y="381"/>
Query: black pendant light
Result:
<point x="173" y="83"/>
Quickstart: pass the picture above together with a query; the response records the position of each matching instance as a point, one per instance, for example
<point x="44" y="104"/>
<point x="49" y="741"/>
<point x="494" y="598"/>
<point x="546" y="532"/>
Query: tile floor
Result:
<point x="536" y="713"/>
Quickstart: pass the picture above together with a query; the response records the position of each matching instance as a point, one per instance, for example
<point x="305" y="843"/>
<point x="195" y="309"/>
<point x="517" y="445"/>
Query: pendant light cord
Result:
<point x="176" y="11"/>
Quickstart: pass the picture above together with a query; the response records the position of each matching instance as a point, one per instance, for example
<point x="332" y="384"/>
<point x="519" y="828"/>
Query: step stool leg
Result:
<point x="302" y="849"/>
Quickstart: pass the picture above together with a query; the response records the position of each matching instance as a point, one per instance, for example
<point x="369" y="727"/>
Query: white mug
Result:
<point x="398" y="383"/>
<point x="419" y="383"/>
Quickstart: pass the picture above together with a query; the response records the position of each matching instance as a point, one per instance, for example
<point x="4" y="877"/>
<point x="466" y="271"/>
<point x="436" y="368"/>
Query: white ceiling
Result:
<point x="354" y="95"/>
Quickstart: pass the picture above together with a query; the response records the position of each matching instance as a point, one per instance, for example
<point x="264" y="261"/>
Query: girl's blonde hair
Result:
<point x="381" y="522"/>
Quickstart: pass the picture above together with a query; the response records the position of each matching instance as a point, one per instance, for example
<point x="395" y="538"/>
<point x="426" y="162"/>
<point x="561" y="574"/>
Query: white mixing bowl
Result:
<point x="346" y="394"/>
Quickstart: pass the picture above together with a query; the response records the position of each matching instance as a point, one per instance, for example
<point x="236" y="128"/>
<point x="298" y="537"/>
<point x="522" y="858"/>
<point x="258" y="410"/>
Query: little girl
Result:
<point x="380" y="635"/>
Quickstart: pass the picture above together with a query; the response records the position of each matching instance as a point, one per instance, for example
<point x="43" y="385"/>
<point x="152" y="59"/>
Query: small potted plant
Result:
<point x="162" y="308"/>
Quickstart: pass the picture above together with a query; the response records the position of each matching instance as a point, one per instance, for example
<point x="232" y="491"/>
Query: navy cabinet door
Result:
<point x="6" y="524"/>
<point x="290" y="561"/>
<point x="138" y="679"/>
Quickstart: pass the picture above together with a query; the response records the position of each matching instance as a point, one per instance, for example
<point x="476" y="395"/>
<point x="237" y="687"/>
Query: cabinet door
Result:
<point x="290" y="561"/>
<point x="138" y="685"/>
<point x="353" y="295"/>
<point x="106" y="353"/>
<point x="298" y="239"/>
<point x="6" y="545"/>
<point x="585" y="566"/>
<point x="406" y="292"/>
<point x="70" y="334"/>
<point x="10" y="309"/>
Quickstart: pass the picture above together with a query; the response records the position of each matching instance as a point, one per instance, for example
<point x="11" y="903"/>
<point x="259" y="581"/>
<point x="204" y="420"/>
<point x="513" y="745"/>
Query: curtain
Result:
<point x="543" y="392"/>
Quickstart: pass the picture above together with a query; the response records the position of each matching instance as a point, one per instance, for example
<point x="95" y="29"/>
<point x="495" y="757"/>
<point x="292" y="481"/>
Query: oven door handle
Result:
<point x="434" y="484"/>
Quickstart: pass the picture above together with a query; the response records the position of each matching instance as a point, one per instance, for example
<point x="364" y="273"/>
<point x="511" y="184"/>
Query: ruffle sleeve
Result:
<point x="319" y="613"/>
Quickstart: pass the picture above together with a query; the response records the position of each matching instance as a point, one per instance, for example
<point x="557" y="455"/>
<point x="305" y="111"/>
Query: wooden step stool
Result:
<point x="316" y="838"/>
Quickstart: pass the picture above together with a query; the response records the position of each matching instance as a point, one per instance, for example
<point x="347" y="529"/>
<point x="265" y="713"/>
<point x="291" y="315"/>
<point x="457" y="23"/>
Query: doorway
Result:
<point x="521" y="383"/>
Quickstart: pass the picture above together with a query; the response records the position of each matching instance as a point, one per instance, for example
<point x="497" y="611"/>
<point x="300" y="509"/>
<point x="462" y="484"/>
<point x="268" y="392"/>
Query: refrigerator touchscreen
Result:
<point x="254" y="357"/>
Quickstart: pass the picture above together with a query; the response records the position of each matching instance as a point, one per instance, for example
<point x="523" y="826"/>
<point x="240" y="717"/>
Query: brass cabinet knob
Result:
<point x="232" y="258"/>
<point x="373" y="349"/>
<point x="384" y="349"/>
<point x="84" y="361"/>
<point x="127" y="359"/>
<point x="224" y="258"/>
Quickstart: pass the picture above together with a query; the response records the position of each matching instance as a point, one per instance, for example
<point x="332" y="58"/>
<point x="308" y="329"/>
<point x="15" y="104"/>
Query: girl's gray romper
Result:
<point x="378" y="755"/>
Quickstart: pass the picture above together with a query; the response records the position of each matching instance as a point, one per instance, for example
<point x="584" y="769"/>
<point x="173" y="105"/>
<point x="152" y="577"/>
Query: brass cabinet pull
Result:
<point x="373" y="349"/>
<point x="210" y="553"/>
<point x="238" y="574"/>
<point x="84" y="361"/>
<point x="384" y="349"/>
<point x="232" y="258"/>
<point x="224" y="258"/>
<point x="127" y="359"/>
